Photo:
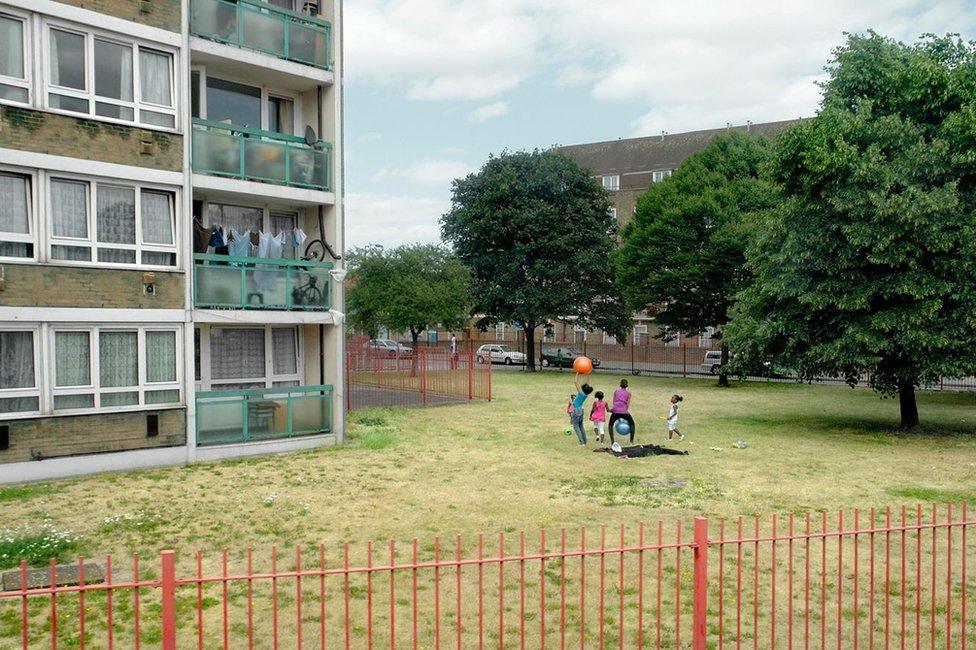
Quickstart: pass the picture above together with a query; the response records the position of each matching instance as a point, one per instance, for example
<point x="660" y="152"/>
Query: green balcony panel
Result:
<point x="263" y="27"/>
<point x="241" y="416"/>
<point x="221" y="149"/>
<point x="224" y="282"/>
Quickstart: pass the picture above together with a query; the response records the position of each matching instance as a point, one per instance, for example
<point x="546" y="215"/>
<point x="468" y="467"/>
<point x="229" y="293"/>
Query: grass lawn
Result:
<point x="507" y="465"/>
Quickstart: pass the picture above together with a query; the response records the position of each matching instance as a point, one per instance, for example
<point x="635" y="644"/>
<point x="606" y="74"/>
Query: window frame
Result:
<point x="92" y="243"/>
<point x="31" y="237"/>
<point x="611" y="182"/>
<point x="38" y="389"/>
<point x="94" y="387"/>
<point x="27" y="60"/>
<point x="659" y="175"/>
<point x="208" y="383"/>
<point x="90" y="34"/>
<point x="266" y="93"/>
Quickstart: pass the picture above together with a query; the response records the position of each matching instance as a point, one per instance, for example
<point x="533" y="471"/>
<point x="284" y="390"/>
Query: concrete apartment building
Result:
<point x="171" y="232"/>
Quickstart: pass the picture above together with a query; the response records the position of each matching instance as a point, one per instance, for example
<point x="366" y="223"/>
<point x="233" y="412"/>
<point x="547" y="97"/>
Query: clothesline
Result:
<point x="247" y="244"/>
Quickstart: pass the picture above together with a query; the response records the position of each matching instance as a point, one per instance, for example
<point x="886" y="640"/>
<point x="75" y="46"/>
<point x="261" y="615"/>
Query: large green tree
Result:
<point x="869" y="266"/>
<point x="410" y="287"/>
<point x="682" y="257"/>
<point x="537" y="233"/>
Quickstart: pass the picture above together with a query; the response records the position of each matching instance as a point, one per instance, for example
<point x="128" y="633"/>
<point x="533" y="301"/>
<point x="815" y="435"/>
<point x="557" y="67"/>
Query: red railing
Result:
<point x="419" y="377"/>
<point x="876" y="578"/>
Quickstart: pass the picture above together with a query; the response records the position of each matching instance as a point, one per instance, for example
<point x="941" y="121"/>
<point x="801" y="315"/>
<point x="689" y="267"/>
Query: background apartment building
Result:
<point x="170" y="232"/>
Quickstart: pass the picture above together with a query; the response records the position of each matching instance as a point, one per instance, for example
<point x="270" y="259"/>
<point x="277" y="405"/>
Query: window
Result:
<point x="254" y="357"/>
<point x="103" y="77"/>
<point x="611" y="182"/>
<point x="18" y="372"/>
<point x="281" y="115"/>
<point x="609" y="339"/>
<point x="639" y="331"/>
<point x="245" y="219"/>
<point x="706" y="338"/>
<point x="14" y="63"/>
<point x="660" y="175"/>
<point x="499" y="331"/>
<point x="285" y="222"/>
<point x="132" y="225"/>
<point x="234" y="103"/>
<point x="16" y="238"/>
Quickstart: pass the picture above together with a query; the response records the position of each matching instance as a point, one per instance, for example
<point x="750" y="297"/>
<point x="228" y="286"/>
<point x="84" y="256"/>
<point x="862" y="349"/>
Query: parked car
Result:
<point x="550" y="357"/>
<point x="713" y="361"/>
<point x="390" y="348"/>
<point x="500" y="354"/>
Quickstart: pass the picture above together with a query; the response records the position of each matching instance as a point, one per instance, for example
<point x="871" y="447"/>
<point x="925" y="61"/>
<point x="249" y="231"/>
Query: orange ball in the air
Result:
<point x="583" y="365"/>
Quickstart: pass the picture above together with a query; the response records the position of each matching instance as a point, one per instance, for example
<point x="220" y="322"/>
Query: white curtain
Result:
<point x="154" y="75"/>
<point x="117" y="359"/>
<point x="239" y="218"/>
<point x="157" y="217"/>
<point x="284" y="341"/>
<point x="14" y="214"/>
<point x="160" y="356"/>
<point x="69" y="208"/>
<point x="236" y="353"/>
<point x="72" y="356"/>
<point x="11" y="47"/>
<point x="17" y="360"/>
<point x="116" y="214"/>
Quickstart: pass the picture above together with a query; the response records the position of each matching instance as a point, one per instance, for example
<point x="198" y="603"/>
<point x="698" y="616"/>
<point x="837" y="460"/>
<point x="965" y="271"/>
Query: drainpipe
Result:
<point x="319" y="94"/>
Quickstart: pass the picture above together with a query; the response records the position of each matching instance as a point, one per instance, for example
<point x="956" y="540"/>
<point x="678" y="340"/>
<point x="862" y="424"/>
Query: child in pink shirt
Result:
<point x="598" y="415"/>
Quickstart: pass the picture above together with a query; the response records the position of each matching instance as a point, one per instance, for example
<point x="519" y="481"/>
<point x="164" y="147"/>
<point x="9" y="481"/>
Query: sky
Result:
<point x="433" y="87"/>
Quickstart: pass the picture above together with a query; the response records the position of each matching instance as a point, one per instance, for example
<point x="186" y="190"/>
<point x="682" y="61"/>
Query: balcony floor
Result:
<point x="263" y="316"/>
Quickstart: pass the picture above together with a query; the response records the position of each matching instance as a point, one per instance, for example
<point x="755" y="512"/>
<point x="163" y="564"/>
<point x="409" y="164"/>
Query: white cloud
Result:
<point x="391" y="220"/>
<point x="488" y="111"/>
<point x="427" y="172"/>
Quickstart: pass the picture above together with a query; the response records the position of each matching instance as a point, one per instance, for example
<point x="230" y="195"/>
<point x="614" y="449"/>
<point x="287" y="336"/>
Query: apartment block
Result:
<point x="171" y="232"/>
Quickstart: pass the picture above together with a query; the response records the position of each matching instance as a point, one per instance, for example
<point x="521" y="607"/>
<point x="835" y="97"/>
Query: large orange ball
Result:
<point x="583" y="365"/>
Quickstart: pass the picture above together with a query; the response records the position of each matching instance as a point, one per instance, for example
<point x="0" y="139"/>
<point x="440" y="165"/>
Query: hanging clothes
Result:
<point x="270" y="246"/>
<point x="201" y="237"/>
<point x="298" y="238"/>
<point x="240" y="244"/>
<point x="217" y="241"/>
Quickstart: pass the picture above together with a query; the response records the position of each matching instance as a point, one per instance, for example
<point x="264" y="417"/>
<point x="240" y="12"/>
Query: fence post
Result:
<point x="168" y="587"/>
<point x="422" y="357"/>
<point x="684" y="361"/>
<point x="470" y="371"/>
<point x="488" y="363"/>
<point x="700" y="590"/>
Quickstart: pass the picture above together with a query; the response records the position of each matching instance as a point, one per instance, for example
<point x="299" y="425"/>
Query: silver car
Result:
<point x="500" y="354"/>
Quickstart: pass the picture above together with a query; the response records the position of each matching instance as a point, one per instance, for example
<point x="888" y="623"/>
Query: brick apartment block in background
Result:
<point x="131" y="131"/>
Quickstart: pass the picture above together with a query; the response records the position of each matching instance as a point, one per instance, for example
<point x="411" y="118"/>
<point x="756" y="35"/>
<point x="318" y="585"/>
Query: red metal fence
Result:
<point x="422" y="377"/>
<point x="877" y="578"/>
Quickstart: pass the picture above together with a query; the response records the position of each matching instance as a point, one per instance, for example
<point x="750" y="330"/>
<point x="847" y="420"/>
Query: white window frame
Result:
<point x="609" y="339"/>
<point x="705" y="338"/>
<point x="499" y="331"/>
<point x="38" y="388"/>
<point x="32" y="221"/>
<point x="639" y="330"/>
<point x="207" y="382"/>
<point x="92" y="243"/>
<point x="266" y="92"/>
<point x="94" y="388"/>
<point x="659" y="175"/>
<point x="577" y="329"/>
<point x="28" y="63"/>
<point x="611" y="182"/>
<point x="90" y="34"/>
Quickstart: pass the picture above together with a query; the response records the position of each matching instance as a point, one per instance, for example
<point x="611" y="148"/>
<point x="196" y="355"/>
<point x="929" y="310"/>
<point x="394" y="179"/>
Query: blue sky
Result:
<point x="434" y="86"/>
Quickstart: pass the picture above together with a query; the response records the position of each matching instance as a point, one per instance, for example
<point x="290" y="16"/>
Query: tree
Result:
<point x="537" y="233"/>
<point x="407" y="288"/>
<point x="683" y="255"/>
<point x="869" y="265"/>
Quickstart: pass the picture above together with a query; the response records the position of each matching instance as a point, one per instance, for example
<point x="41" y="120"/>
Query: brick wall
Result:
<point x="62" y="135"/>
<point x="51" y="437"/>
<point x="155" y="13"/>
<point x="60" y="286"/>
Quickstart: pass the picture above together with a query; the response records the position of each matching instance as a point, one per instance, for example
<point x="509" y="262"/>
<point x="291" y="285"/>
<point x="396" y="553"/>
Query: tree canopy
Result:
<point x="410" y="287"/>
<point x="868" y="267"/>
<point x="682" y="257"/>
<point x="537" y="233"/>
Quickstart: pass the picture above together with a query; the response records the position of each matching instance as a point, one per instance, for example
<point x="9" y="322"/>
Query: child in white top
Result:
<point x="673" y="417"/>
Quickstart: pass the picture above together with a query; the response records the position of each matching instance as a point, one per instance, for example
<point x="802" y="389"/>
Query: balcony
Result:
<point x="224" y="282"/>
<point x="242" y="416"/>
<point x="247" y="154"/>
<point x="263" y="27"/>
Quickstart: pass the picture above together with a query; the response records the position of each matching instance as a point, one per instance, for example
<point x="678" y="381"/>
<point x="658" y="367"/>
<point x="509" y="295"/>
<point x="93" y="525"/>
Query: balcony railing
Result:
<point x="224" y="282"/>
<point x="221" y="149"/>
<point x="260" y="26"/>
<point x="236" y="416"/>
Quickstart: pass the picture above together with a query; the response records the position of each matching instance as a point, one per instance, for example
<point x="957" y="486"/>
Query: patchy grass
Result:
<point x="35" y="543"/>
<point x="507" y="465"/>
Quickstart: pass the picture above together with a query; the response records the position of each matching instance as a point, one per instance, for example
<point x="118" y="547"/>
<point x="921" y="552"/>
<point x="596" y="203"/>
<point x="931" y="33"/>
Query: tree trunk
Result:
<point x="415" y="357"/>
<point x="723" y="374"/>
<point x="529" y="348"/>
<point x="908" y="405"/>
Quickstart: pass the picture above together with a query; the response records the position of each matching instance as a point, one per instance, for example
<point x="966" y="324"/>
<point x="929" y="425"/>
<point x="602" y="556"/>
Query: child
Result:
<point x="673" y="417"/>
<point x="598" y="415"/>
<point x="621" y="409"/>
<point x="577" y="416"/>
<point x="569" y="408"/>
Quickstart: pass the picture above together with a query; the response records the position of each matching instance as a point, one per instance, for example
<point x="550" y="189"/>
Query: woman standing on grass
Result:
<point x="621" y="410"/>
